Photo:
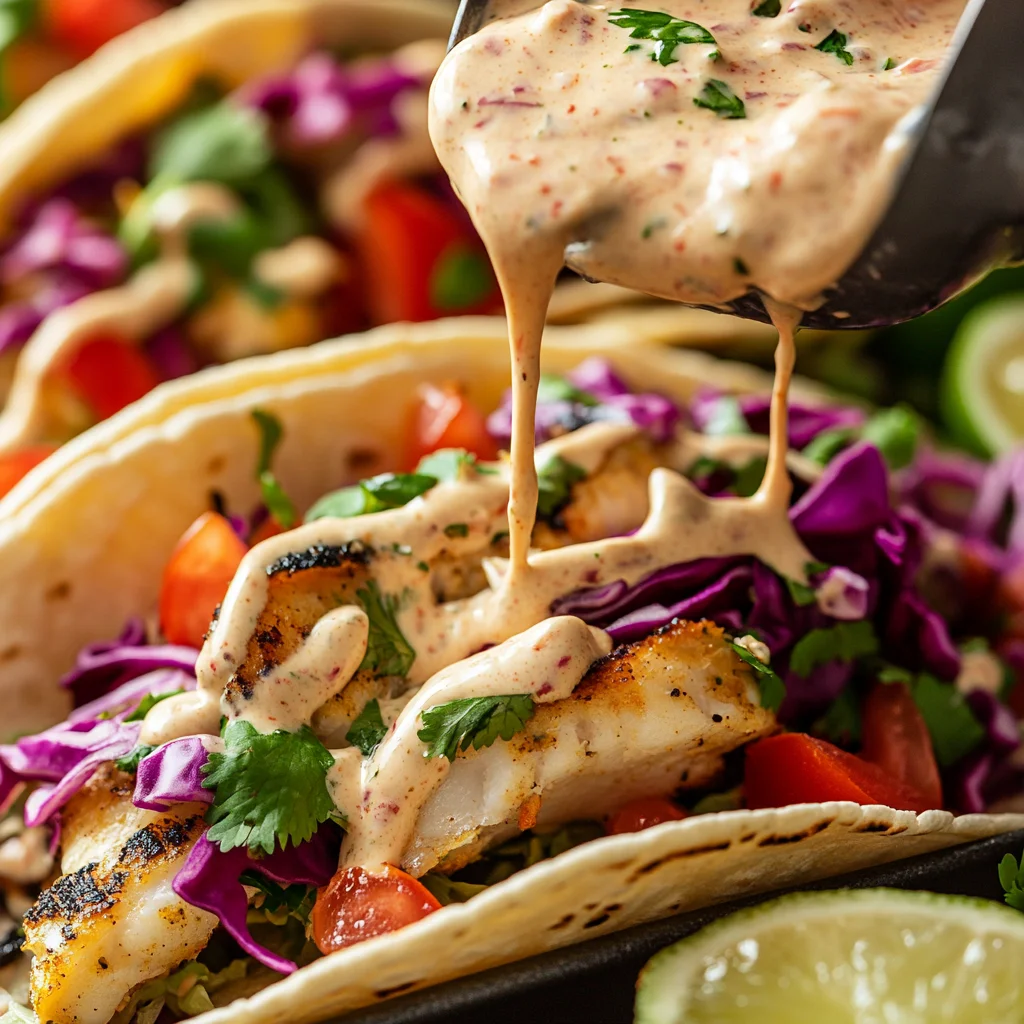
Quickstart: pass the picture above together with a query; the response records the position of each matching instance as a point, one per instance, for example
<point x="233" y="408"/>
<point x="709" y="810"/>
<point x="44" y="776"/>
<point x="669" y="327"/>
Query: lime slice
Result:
<point x="874" y="956"/>
<point x="983" y="379"/>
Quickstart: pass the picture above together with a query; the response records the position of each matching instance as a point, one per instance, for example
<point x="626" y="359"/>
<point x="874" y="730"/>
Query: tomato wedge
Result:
<point x="196" y="578"/>
<point x="897" y="740"/>
<point x="15" y="465"/>
<point x="442" y="417"/>
<point x="793" y="768"/>
<point x="643" y="813"/>
<point x="357" y="905"/>
<point x="109" y="374"/>
<point x="421" y="260"/>
<point x="83" y="26"/>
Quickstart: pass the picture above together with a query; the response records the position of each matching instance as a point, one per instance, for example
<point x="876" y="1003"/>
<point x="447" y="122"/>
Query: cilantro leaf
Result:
<point x="835" y="42"/>
<point x="473" y="721"/>
<point x="717" y="96"/>
<point x="461" y="278"/>
<point x="388" y="653"/>
<point x="666" y="32"/>
<point x="368" y="729"/>
<point x="269" y="789"/>
<point x="378" y="494"/>
<point x="274" y="497"/>
<point x="130" y="762"/>
<point x="773" y="689"/>
<point x="954" y="730"/>
<point x="281" y="901"/>
<point x="889" y="64"/>
<point x="841" y="723"/>
<point x="767" y="9"/>
<point x="845" y="641"/>
<point x="554" y="485"/>
<point x="225" y="143"/>
<point x="895" y="433"/>
<point x="448" y="465"/>
<point x="147" y="702"/>
<point x="553" y="388"/>
<point x="801" y="594"/>
<point x="1011" y="878"/>
<point x="456" y="530"/>
<point x="824" y="447"/>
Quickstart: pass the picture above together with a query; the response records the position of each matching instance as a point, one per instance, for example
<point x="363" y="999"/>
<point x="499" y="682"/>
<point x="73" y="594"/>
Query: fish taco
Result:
<point x="289" y="738"/>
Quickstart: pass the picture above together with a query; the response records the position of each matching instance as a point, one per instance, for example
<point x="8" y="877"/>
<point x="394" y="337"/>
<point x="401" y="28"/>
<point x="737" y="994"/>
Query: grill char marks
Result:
<point x="301" y="588"/>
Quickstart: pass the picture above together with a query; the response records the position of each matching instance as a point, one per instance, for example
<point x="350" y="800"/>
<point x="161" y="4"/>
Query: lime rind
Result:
<point x="971" y="416"/>
<point x="670" y="979"/>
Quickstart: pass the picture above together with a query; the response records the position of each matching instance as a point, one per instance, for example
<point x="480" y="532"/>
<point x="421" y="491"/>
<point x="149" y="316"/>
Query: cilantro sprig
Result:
<point x="717" y="96"/>
<point x="368" y="729"/>
<point x="666" y="32"/>
<point x="773" y="689"/>
<point x="130" y="762"/>
<point x="388" y="653"/>
<point x="835" y="42"/>
<point x="148" y="702"/>
<point x="767" y="9"/>
<point x="274" y="497"/>
<point x="473" y="722"/>
<point x="270" y="789"/>
<point x="378" y="494"/>
<point x="846" y="641"/>
<point x="553" y="388"/>
<point x="1011" y="878"/>
<point x="555" y="479"/>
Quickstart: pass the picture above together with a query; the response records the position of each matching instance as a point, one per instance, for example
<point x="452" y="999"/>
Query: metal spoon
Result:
<point x="958" y="210"/>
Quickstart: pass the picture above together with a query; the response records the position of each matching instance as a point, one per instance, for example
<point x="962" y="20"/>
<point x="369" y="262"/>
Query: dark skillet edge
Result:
<point x="593" y="981"/>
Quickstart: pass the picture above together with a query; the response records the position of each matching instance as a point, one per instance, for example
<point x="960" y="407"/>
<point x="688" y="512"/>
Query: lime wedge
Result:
<point x="874" y="956"/>
<point x="982" y="393"/>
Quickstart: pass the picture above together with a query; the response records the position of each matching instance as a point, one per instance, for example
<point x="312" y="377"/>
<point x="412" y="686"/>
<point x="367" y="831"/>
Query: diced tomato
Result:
<point x="15" y="465"/>
<point x="442" y="417"/>
<point x="641" y="814"/>
<point x="896" y="739"/>
<point x="421" y="260"/>
<point x="109" y="374"/>
<point x="83" y="26"/>
<point x="196" y="578"/>
<point x="793" y="768"/>
<point x="357" y="905"/>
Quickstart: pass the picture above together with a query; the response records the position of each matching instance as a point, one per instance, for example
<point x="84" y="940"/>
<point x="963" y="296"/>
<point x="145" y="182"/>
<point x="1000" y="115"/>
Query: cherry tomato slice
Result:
<point x="83" y="26"/>
<point x="897" y="740"/>
<point x="442" y="417"/>
<point x="15" y="465"/>
<point x="644" y="813"/>
<point x="109" y="374"/>
<point x="357" y="905"/>
<point x="28" y="64"/>
<point x="196" y="578"/>
<point x="793" y="768"/>
<point x="421" y="259"/>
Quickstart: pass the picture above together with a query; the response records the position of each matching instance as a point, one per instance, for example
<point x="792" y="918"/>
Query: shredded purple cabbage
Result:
<point x="19" y="320"/>
<point x="1000" y="491"/>
<point x="101" y="667"/>
<point x="60" y="239"/>
<point x="610" y="401"/>
<point x="321" y="101"/>
<point x="171" y="354"/>
<point x="805" y="421"/>
<point x="173" y="774"/>
<point x="209" y="879"/>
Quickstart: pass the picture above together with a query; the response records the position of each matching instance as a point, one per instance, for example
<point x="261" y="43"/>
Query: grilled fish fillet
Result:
<point x="653" y="717"/>
<point x="112" y="920"/>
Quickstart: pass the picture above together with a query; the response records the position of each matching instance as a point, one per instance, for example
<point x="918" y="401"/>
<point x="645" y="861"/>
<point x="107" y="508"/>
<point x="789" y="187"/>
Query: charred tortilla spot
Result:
<point x="387" y="993"/>
<point x="881" y="827"/>
<point x="796" y="837"/>
<point x="595" y="921"/>
<point x="748" y="838"/>
<point x="564" y="923"/>
<point x="360" y="460"/>
<point x="59" y="591"/>
<point x="322" y="556"/>
<point x="693" y="851"/>
<point x="10" y="653"/>
<point x="216" y="465"/>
